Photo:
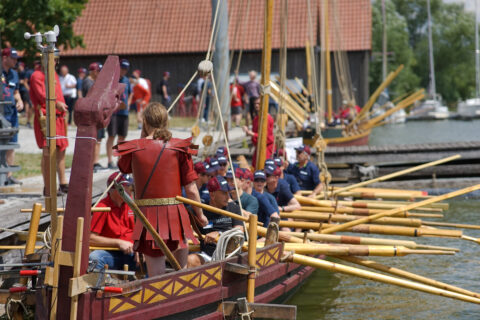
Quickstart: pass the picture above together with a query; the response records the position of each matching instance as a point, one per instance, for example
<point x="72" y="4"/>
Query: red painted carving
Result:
<point x="91" y="113"/>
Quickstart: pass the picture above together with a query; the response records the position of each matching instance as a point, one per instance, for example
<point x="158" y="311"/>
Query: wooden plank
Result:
<point x="262" y="310"/>
<point x="79" y="285"/>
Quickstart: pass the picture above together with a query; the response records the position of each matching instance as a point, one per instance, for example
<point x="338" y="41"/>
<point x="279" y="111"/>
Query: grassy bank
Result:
<point x="30" y="164"/>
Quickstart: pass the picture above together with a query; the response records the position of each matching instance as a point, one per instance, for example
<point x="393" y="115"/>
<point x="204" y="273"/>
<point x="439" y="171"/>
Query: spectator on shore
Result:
<point x="252" y="90"/>
<point x="69" y="90"/>
<point x="82" y="73"/>
<point x="24" y="75"/>
<point x="237" y="92"/>
<point x="163" y="89"/>
<point x="118" y="125"/>
<point x="141" y="94"/>
<point x="11" y="93"/>
<point x="38" y="98"/>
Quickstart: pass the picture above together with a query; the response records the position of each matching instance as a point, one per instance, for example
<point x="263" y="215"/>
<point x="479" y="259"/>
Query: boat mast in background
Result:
<point x="432" y="89"/>
<point x="477" y="54"/>
<point x="384" y="42"/>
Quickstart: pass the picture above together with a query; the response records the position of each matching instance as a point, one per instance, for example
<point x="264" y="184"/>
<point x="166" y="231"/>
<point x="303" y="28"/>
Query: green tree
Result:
<point x="397" y="45"/>
<point x="453" y="32"/>
<point x="20" y="16"/>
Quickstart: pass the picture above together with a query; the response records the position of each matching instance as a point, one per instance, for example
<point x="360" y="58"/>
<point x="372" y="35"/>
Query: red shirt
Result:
<point x="38" y="93"/>
<point x="237" y="95"/>
<point x="117" y="223"/>
<point x="270" y="137"/>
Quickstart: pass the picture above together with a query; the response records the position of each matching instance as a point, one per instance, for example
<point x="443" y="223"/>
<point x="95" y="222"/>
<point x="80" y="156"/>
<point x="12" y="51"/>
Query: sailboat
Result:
<point x="470" y="108"/>
<point x="431" y="108"/>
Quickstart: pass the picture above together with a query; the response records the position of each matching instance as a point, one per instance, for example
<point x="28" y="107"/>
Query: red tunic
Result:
<point x="270" y="139"/>
<point x="38" y="96"/>
<point x="117" y="224"/>
<point x="174" y="170"/>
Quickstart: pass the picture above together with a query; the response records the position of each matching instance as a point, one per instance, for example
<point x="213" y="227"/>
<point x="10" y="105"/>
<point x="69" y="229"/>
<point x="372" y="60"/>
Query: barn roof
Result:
<point x="132" y="27"/>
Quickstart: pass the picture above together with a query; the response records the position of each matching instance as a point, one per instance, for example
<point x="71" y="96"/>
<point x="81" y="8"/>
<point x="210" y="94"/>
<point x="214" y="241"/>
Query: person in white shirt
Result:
<point x="69" y="90"/>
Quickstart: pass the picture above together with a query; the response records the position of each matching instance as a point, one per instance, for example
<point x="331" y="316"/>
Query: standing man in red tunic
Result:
<point x="38" y="98"/>
<point x="254" y="133"/>
<point x="161" y="165"/>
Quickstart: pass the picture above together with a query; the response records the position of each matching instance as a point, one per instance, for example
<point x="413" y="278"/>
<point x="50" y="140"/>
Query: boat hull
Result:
<point x="358" y="139"/>
<point x="197" y="293"/>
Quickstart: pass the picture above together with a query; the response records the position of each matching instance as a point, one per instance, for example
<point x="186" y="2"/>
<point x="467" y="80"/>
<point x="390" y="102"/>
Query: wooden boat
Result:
<point x="198" y="293"/>
<point x="356" y="139"/>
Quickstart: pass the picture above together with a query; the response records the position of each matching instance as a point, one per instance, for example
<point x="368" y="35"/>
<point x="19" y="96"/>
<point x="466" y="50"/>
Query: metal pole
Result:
<point x="432" y="89"/>
<point x="477" y="54"/>
<point x="221" y="56"/>
<point x="384" y="42"/>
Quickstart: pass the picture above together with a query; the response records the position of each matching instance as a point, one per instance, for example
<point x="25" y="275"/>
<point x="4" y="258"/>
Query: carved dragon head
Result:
<point x="103" y="98"/>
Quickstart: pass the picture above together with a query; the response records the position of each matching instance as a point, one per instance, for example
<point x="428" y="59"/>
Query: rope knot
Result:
<point x="264" y="89"/>
<point x="205" y="68"/>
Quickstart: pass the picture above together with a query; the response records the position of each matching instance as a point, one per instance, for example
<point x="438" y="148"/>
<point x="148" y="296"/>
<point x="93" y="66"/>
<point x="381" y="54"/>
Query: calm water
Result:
<point x="335" y="296"/>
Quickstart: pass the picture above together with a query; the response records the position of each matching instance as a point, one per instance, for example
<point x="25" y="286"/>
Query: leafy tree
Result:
<point x="398" y="45"/>
<point x="453" y="32"/>
<point x="20" y="16"/>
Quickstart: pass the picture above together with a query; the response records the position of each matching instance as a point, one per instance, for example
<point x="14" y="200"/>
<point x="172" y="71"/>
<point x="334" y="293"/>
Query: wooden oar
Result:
<point x="213" y="209"/>
<point x="357" y="250"/>
<point x="439" y="205"/>
<point x="407" y="222"/>
<point x="333" y="238"/>
<point x="94" y="209"/>
<point x="368" y="212"/>
<point x="378" y="229"/>
<point x="320" y="216"/>
<point x="396" y="174"/>
<point x="408" y="275"/>
<point x="453" y="225"/>
<point x="336" y="267"/>
<point x="396" y="210"/>
<point x="354" y="204"/>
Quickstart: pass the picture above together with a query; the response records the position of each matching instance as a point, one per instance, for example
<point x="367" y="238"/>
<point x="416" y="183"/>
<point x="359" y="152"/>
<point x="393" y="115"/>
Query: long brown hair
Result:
<point x="155" y="117"/>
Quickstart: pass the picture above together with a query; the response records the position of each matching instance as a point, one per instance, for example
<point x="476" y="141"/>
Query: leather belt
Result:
<point x="156" y="202"/>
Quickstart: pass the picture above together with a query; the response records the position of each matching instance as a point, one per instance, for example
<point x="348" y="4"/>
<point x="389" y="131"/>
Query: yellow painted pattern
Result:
<point x="267" y="258"/>
<point x="162" y="290"/>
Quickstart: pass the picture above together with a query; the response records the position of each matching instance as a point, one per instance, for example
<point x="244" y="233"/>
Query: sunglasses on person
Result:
<point x="223" y="164"/>
<point x="259" y="180"/>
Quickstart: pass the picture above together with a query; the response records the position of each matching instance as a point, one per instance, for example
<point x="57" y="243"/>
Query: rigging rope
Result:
<point x="234" y="234"/>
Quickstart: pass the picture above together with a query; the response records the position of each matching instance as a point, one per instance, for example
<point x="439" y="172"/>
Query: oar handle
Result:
<point x="214" y="209"/>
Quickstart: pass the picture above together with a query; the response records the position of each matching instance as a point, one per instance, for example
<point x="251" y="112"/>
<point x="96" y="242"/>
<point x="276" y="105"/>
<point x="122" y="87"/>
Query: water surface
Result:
<point x="333" y="296"/>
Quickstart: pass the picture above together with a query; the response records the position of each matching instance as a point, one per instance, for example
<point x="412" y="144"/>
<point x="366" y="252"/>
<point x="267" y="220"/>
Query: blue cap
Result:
<point x="278" y="162"/>
<point x="222" y="160"/>
<point x="259" y="174"/>
<point x="229" y="174"/>
<point x="124" y="64"/>
<point x="218" y="183"/>
<point x="214" y="166"/>
<point x="221" y="151"/>
<point x="269" y="162"/>
<point x="270" y="169"/>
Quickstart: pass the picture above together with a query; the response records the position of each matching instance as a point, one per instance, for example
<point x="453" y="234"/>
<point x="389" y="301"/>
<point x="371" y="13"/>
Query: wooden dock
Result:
<point x="347" y="163"/>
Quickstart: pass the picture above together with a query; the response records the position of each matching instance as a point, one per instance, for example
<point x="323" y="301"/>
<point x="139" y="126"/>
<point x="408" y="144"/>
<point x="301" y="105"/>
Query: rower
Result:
<point x="280" y="189"/>
<point x="223" y="163"/>
<point x="203" y="176"/>
<point x="113" y="228"/>
<point x="259" y="182"/>
<point x="219" y="198"/>
<point x="249" y="202"/>
<point x="290" y="179"/>
<point x="305" y="171"/>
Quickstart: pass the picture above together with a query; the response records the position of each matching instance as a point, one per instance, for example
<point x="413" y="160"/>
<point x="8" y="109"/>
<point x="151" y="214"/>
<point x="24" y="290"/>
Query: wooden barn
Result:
<point x="164" y="35"/>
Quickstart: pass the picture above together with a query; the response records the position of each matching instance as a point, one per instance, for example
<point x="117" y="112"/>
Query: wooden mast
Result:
<point x="265" y="83"/>
<point x="328" y="62"/>
<point x="51" y="198"/>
